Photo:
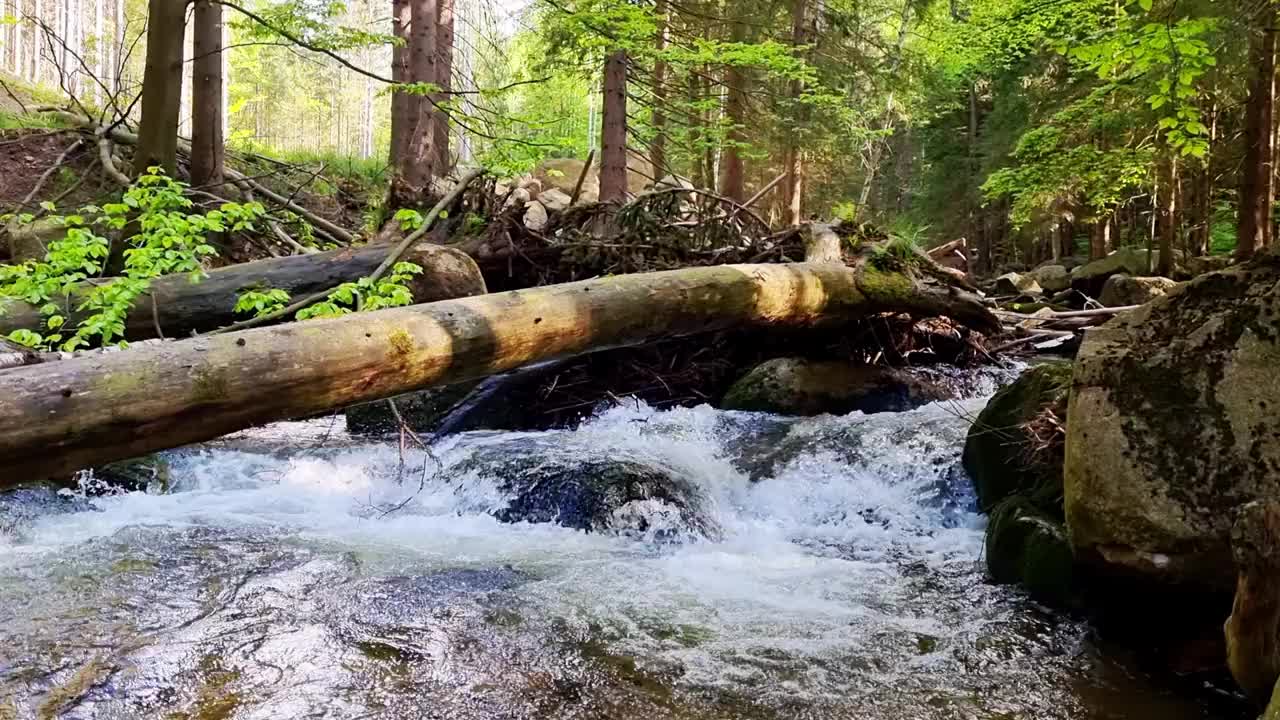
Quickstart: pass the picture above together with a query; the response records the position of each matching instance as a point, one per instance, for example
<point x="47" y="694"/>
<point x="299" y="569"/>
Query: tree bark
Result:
<point x="613" y="129"/>
<point x="63" y="416"/>
<point x="444" y="73"/>
<point x="658" y="146"/>
<point x="417" y="166"/>
<point x="401" y="108"/>
<point x="732" y="171"/>
<point x="1100" y="237"/>
<point x="182" y="307"/>
<point x="793" y="160"/>
<point x="693" y="90"/>
<point x="1253" y="228"/>
<point x="207" y="150"/>
<point x="100" y="50"/>
<point x="161" y="88"/>
<point x="1168" y="213"/>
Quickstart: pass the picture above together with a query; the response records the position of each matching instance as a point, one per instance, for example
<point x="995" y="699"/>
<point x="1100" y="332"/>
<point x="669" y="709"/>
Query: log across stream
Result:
<point x="64" y="416"/>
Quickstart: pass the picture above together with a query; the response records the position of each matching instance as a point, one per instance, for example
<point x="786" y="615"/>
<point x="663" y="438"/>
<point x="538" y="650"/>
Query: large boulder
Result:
<point x="1121" y="290"/>
<point x="1013" y="283"/>
<point x="1207" y="264"/>
<point x="554" y="200"/>
<point x="1172" y="426"/>
<point x="1052" y="278"/>
<point x="535" y="216"/>
<point x="1090" y="278"/>
<point x="796" y="386"/>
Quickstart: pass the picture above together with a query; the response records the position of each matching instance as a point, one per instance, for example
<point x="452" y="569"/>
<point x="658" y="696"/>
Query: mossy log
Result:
<point x="176" y="307"/>
<point x="62" y="416"/>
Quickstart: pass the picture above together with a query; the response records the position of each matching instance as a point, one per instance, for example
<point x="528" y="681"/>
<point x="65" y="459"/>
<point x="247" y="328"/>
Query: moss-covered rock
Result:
<point x="1090" y="278"/>
<point x="1120" y="290"/>
<point x="1013" y="453"/>
<point x="1172" y="426"/>
<point x="1006" y="452"/>
<point x="795" y="386"/>
<point x="1028" y="547"/>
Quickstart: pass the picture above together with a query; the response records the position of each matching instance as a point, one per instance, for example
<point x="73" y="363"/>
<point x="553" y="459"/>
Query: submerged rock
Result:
<point x="604" y="495"/>
<point x="795" y="386"/>
<point x="1121" y="290"/>
<point x="142" y="474"/>
<point x="422" y="411"/>
<point x="1173" y="425"/>
<point x="591" y="494"/>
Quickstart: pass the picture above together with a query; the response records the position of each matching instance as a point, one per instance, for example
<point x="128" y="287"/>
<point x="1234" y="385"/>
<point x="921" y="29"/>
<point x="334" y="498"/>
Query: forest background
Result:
<point x="1035" y="129"/>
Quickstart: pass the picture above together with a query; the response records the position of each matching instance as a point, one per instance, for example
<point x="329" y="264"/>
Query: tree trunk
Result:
<point x="401" y="103"/>
<point x="658" y="146"/>
<point x="1100" y="238"/>
<point x="38" y="45"/>
<point x="63" y="416"/>
<point x="732" y="172"/>
<point x="1167" y="226"/>
<point x="99" y="51"/>
<point x="613" y="129"/>
<point x="207" y="151"/>
<point x="793" y="159"/>
<point x="444" y="73"/>
<point x="183" y="307"/>
<point x="161" y="88"/>
<point x="417" y="166"/>
<point x="118" y="54"/>
<point x="693" y="89"/>
<point x="1253" y="228"/>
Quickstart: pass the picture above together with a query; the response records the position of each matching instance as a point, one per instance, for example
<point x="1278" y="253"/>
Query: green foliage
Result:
<point x="1166" y="59"/>
<point x="365" y="294"/>
<point x="261" y="302"/>
<point x="409" y="219"/>
<point x="30" y="121"/>
<point x="167" y="238"/>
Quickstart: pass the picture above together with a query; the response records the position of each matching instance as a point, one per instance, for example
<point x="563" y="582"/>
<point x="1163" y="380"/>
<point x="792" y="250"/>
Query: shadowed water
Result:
<point x="811" y="568"/>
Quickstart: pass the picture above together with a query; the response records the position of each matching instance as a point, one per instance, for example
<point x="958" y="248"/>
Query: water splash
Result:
<point x="822" y="567"/>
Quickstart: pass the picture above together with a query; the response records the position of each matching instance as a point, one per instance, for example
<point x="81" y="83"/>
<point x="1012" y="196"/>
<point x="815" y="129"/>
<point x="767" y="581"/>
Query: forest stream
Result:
<point x="826" y="567"/>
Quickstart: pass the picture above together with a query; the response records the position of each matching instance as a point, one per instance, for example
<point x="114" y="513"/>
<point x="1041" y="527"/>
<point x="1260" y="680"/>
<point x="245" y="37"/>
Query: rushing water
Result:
<point x="814" y="568"/>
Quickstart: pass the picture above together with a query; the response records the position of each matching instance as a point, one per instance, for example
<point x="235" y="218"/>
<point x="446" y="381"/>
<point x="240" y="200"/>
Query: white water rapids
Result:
<point x="834" y="570"/>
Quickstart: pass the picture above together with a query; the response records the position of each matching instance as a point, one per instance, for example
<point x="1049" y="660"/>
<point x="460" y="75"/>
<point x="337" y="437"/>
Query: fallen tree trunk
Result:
<point x="182" y="307"/>
<point x="59" y="417"/>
